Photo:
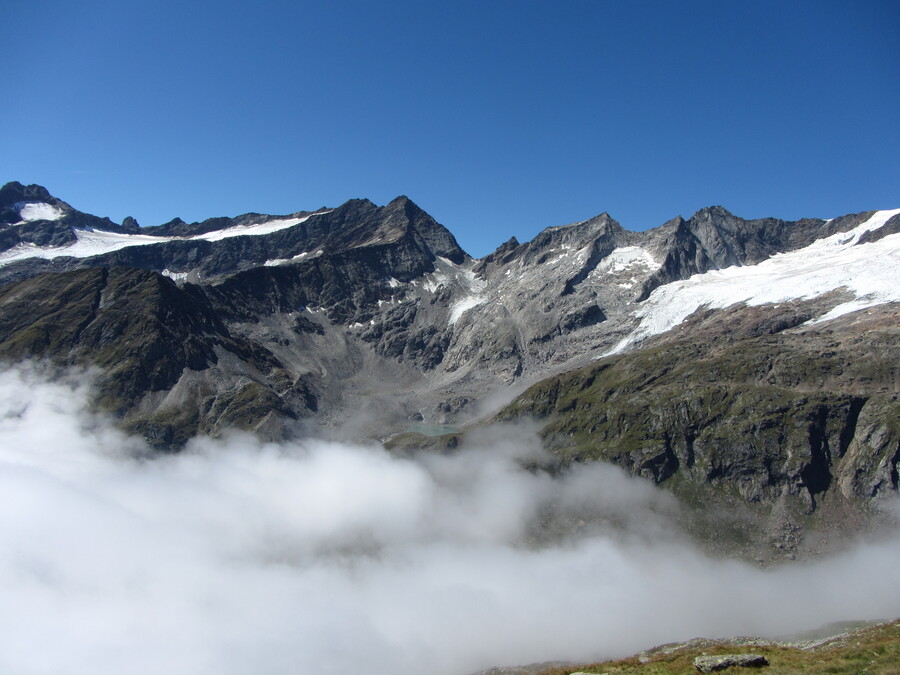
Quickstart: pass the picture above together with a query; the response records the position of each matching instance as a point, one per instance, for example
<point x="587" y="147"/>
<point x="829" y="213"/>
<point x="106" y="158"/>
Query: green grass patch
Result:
<point x="873" y="650"/>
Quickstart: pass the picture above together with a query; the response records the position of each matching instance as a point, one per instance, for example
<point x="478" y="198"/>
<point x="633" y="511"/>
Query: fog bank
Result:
<point x="238" y="557"/>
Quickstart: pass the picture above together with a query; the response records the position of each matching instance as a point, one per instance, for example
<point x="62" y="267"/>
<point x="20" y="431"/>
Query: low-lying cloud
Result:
<point x="239" y="556"/>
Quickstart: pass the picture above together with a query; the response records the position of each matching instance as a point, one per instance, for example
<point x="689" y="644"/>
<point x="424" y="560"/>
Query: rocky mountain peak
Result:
<point x="586" y="230"/>
<point x="402" y="200"/>
<point x="500" y="254"/>
<point x="597" y="235"/>
<point x="403" y="209"/>
<point x="430" y="234"/>
<point x="358" y="205"/>
<point x="20" y="202"/>
<point x="712" y="212"/>
<point x="14" y="192"/>
<point x="668" y="231"/>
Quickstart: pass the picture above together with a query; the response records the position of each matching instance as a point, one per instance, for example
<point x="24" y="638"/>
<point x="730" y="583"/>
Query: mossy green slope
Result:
<point x="143" y="334"/>
<point x="873" y="650"/>
<point x="748" y="402"/>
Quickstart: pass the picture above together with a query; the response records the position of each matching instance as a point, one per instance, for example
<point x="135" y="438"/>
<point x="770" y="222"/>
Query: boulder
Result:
<point x="711" y="664"/>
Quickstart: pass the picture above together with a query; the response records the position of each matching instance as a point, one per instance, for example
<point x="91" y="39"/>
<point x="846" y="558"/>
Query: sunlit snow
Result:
<point x="276" y="262"/>
<point x="868" y="271"/>
<point x="463" y="305"/>
<point x="38" y="211"/>
<point x="89" y="243"/>
<point x="473" y="294"/>
<point x="626" y="257"/>
<point x="99" y="242"/>
<point x="254" y="229"/>
<point x="175" y="276"/>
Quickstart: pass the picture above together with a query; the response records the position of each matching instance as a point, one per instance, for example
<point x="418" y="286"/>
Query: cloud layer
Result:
<point x="239" y="556"/>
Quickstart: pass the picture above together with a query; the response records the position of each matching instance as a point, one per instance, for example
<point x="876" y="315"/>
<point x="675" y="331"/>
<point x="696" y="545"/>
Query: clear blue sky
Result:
<point x="498" y="118"/>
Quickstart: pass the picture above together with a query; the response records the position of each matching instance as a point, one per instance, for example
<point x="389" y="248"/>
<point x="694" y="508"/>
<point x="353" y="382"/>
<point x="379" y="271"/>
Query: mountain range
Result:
<point x="747" y="365"/>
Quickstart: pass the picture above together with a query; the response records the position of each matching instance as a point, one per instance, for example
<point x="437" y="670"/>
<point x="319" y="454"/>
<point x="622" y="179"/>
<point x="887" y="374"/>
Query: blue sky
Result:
<point x="498" y="118"/>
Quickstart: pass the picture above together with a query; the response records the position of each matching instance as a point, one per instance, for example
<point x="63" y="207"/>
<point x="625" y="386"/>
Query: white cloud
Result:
<point x="239" y="556"/>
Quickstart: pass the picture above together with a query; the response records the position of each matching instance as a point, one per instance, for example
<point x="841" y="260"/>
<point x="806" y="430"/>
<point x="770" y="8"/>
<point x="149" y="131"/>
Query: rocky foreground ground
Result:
<point x="836" y="650"/>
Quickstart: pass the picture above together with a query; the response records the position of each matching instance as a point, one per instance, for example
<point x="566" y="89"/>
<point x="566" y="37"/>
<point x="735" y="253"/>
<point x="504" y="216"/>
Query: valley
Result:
<point x="714" y="398"/>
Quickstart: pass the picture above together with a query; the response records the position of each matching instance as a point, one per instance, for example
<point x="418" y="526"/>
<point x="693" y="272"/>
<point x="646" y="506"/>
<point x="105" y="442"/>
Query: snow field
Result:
<point x="98" y="242"/>
<point x="869" y="271"/>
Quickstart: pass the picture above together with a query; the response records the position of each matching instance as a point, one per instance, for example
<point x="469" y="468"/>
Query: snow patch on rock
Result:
<point x="627" y="257"/>
<point x="254" y="229"/>
<point x="276" y="262"/>
<point x="463" y="305"/>
<point x="868" y="271"/>
<point x="471" y="288"/>
<point x="98" y="242"/>
<point x="177" y="277"/>
<point x="29" y="211"/>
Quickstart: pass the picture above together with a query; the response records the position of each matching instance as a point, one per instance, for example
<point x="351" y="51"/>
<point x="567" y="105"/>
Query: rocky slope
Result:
<point x="163" y="360"/>
<point x="368" y="318"/>
<point x="836" y="650"/>
<point x="750" y="406"/>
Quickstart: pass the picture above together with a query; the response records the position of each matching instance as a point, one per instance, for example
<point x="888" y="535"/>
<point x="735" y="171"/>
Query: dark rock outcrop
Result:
<point x="719" y="662"/>
<point x="146" y="336"/>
